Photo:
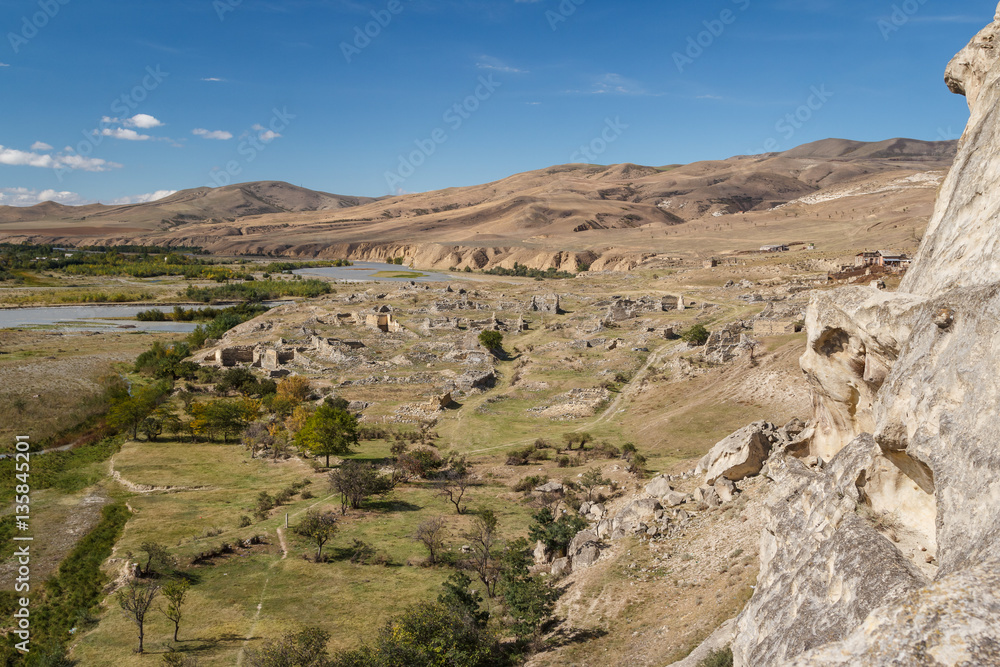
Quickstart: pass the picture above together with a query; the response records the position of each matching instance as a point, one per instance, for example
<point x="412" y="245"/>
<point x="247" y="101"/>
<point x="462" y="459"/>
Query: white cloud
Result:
<point x="40" y="146"/>
<point x="143" y="121"/>
<point x="26" y="197"/>
<point x="143" y="199"/>
<point x="221" y="135"/>
<point x="265" y="134"/>
<point x="4" y="65"/>
<point x="84" y="163"/>
<point x="14" y="157"/>
<point x="126" y="134"/>
<point x="67" y="160"/>
<point x="213" y="79"/>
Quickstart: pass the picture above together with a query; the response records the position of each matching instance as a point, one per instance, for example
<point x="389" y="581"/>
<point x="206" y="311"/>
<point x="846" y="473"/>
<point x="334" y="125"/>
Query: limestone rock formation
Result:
<point x="823" y="568"/>
<point x="920" y="370"/>
<point x="739" y="455"/>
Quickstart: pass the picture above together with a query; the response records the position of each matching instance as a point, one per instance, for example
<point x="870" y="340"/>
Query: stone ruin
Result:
<point x="545" y="304"/>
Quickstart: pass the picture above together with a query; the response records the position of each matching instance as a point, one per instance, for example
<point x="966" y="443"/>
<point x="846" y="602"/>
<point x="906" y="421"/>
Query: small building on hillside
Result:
<point x="867" y="258"/>
<point x="774" y="248"/>
<point x="892" y="259"/>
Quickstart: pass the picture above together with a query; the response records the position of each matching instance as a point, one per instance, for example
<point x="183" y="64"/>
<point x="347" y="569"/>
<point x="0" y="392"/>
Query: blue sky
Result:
<point x="118" y="101"/>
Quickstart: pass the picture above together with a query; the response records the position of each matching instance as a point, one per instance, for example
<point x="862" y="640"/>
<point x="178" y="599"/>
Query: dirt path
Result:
<point x="284" y="545"/>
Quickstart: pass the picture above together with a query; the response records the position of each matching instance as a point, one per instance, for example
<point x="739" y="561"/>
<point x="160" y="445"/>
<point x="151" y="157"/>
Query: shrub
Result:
<point x="722" y="657"/>
<point x="563" y="461"/>
<point x="245" y="521"/>
<point x="528" y="483"/>
<point x="696" y="335"/>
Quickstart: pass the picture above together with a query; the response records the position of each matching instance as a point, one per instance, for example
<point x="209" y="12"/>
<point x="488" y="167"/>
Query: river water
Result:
<point x="93" y="318"/>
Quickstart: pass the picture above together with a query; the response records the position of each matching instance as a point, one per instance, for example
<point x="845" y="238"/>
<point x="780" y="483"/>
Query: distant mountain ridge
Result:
<point x="557" y="216"/>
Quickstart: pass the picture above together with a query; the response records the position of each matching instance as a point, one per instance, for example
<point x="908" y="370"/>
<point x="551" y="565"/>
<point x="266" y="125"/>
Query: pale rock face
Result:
<point x="961" y="247"/>
<point x="823" y="567"/>
<point x="920" y="369"/>
<point x="855" y="334"/>
<point x="739" y="455"/>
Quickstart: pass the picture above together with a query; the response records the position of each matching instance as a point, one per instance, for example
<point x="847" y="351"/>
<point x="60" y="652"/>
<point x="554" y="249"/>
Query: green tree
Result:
<point x="592" y="479"/>
<point x="556" y="534"/>
<point x="492" y="341"/>
<point x="329" y="431"/>
<point x="157" y="557"/>
<point x="128" y="411"/>
<point x="318" y="527"/>
<point x="696" y="335"/>
<point x="306" y="648"/>
<point x="175" y="591"/>
<point x="356" y="482"/>
<point x="529" y="600"/>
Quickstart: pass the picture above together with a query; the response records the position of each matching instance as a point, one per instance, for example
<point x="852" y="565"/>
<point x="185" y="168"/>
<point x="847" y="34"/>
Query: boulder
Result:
<point x="597" y="512"/>
<point x="586" y="556"/>
<point x="707" y="494"/>
<point x="550" y="487"/>
<point x="739" y="455"/>
<point x="560" y="567"/>
<point x="658" y="487"/>
<point x="542" y="554"/>
<point x="579" y="540"/>
<point x="675" y="498"/>
<point x="635" y="518"/>
<point x="725" y="490"/>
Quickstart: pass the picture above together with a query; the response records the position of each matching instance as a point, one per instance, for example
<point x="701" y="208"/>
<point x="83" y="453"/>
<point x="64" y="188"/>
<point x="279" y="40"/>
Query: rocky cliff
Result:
<point x="885" y="548"/>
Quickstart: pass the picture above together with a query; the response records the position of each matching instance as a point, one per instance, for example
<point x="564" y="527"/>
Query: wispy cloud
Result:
<point x="615" y="84"/>
<point x="40" y="146"/>
<point x="4" y="65"/>
<point x="220" y="135"/>
<point x="496" y="65"/>
<point x="213" y="79"/>
<point x="66" y="160"/>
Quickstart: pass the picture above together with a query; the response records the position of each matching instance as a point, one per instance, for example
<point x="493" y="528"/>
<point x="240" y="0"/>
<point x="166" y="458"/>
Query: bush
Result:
<point x="722" y="657"/>
<point x="563" y="461"/>
<point x="696" y="335"/>
<point x="528" y="483"/>
<point x="245" y="521"/>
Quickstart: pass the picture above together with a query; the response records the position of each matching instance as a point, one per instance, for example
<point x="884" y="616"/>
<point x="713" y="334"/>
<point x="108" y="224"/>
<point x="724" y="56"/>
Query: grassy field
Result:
<point x="212" y="486"/>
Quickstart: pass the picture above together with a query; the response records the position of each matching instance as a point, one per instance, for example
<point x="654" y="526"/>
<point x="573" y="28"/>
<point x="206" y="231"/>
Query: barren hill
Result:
<point x="836" y="191"/>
